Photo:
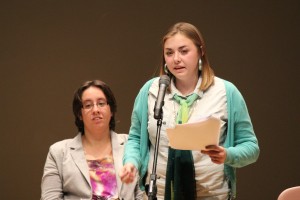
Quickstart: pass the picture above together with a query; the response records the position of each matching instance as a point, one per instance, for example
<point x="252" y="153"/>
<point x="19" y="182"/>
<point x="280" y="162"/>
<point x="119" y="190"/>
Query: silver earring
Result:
<point x="200" y="64"/>
<point x="166" y="69"/>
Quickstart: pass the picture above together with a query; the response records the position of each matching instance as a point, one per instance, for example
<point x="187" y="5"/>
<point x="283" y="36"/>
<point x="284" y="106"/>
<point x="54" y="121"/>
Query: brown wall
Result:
<point x="48" y="48"/>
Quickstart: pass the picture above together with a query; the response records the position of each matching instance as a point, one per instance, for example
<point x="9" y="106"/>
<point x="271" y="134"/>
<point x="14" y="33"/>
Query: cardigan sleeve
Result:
<point x="242" y="145"/>
<point x="132" y="148"/>
<point x="136" y="150"/>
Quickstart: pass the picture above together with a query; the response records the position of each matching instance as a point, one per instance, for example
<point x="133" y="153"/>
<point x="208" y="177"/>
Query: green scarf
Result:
<point x="180" y="180"/>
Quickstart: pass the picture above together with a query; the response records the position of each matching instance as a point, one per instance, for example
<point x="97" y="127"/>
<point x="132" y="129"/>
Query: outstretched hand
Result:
<point x="127" y="173"/>
<point x="216" y="153"/>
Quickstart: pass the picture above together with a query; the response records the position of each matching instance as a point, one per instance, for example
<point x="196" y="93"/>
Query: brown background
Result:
<point x="49" y="47"/>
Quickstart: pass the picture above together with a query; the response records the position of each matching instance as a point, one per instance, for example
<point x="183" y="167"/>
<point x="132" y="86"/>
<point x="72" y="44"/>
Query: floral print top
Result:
<point x="103" y="178"/>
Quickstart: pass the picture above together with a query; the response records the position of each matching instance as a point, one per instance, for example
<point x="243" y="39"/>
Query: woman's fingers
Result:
<point x="127" y="173"/>
<point x="217" y="154"/>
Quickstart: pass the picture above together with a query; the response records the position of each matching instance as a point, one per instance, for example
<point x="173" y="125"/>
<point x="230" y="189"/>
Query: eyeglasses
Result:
<point x="88" y="105"/>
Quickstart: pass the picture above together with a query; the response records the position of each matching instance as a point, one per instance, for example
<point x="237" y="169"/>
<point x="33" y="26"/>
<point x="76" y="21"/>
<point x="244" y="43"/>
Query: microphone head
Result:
<point x="164" y="79"/>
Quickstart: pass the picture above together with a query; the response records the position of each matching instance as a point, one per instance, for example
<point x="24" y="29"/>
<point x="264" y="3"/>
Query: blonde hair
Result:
<point x="191" y="32"/>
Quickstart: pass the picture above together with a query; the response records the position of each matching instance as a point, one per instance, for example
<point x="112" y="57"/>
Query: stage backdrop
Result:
<point x="48" y="48"/>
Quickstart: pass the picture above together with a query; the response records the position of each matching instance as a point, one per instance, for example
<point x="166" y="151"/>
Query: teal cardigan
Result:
<point x="241" y="143"/>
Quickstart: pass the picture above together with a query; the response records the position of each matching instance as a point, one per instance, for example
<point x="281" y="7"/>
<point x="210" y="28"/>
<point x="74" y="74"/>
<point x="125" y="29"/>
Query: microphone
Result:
<point x="164" y="82"/>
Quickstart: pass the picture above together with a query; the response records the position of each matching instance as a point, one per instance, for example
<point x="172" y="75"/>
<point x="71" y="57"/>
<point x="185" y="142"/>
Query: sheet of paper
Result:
<point x="196" y="135"/>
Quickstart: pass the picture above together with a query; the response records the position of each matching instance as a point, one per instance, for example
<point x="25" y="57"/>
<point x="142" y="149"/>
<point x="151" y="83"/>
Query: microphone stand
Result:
<point x="152" y="186"/>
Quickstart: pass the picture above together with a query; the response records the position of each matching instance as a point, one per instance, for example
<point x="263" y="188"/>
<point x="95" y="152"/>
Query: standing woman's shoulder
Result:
<point x="229" y="86"/>
<point x="148" y="84"/>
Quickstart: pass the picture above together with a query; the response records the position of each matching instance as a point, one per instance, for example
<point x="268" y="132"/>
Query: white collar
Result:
<point x="174" y="90"/>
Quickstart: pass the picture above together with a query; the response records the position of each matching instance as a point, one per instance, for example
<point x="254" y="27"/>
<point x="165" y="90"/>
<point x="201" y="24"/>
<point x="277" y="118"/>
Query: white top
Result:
<point x="210" y="179"/>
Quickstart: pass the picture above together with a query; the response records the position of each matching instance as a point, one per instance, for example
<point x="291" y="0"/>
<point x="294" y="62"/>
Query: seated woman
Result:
<point x="85" y="167"/>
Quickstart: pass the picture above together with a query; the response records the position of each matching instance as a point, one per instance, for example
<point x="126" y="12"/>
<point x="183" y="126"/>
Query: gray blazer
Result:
<point x="66" y="173"/>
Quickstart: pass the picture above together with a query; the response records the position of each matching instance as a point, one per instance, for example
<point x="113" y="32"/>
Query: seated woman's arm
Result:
<point x="51" y="182"/>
